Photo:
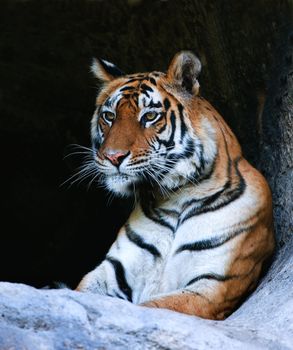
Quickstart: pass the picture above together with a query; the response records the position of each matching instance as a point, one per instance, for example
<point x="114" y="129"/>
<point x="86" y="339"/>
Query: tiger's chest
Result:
<point x="168" y="252"/>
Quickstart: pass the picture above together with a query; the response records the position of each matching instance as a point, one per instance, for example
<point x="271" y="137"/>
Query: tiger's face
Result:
<point x="141" y="131"/>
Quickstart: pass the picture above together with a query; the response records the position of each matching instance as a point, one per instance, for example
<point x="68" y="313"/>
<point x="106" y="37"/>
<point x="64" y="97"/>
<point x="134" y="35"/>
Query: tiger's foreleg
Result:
<point x="193" y="303"/>
<point x="216" y="303"/>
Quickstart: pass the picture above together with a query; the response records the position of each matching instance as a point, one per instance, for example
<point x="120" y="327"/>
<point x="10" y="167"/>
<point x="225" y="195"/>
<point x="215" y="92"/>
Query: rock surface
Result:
<point x="40" y="319"/>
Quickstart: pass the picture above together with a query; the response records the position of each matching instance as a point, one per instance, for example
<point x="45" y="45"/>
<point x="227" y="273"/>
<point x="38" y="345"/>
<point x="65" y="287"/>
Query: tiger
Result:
<point x="201" y="227"/>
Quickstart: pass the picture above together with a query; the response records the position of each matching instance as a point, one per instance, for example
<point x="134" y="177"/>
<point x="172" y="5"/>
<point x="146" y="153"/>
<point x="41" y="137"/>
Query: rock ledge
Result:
<point x="40" y="319"/>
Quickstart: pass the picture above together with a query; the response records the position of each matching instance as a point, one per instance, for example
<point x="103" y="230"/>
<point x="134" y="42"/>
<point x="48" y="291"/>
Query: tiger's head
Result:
<point x="145" y="129"/>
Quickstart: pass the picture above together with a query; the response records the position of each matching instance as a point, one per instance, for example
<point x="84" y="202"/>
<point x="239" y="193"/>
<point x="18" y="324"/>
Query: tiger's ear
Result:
<point x="104" y="70"/>
<point x="184" y="70"/>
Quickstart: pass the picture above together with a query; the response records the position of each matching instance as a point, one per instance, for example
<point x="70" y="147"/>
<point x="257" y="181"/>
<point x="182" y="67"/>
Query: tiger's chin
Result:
<point x="121" y="185"/>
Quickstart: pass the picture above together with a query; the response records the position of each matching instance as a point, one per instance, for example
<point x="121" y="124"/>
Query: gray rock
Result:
<point x="40" y="319"/>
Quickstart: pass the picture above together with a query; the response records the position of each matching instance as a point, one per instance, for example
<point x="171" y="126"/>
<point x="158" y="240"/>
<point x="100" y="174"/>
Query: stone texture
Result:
<point x="40" y="319"/>
<point x="276" y="161"/>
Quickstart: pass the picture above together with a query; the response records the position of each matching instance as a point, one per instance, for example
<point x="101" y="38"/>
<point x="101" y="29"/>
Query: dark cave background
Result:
<point x="54" y="233"/>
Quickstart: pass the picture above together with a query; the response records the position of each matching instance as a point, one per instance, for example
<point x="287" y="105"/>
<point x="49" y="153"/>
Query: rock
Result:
<point x="41" y="319"/>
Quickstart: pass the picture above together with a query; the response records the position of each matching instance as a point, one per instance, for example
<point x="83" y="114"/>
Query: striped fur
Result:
<point x="202" y="226"/>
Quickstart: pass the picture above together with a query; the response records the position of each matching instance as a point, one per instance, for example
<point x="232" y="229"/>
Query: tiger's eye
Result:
<point x="108" y="116"/>
<point x="150" y="116"/>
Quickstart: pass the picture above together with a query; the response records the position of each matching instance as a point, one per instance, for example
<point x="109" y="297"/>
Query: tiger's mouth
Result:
<point x="119" y="177"/>
<point x="121" y="184"/>
<point x="127" y="178"/>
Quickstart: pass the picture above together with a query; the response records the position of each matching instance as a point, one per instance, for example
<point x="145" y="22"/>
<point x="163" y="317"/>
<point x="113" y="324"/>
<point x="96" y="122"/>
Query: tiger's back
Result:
<point x="202" y="225"/>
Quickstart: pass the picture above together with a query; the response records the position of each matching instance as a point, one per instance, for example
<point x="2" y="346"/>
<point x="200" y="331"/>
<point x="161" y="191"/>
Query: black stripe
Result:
<point x="232" y="193"/>
<point x="210" y="276"/>
<point x="115" y="295"/>
<point x="212" y="242"/>
<point x="212" y="198"/>
<point x="127" y="88"/>
<point x="152" y="104"/>
<point x="187" y="152"/>
<point x="135" y="98"/>
<point x="155" y="216"/>
<point x="209" y="200"/>
<point x="207" y="176"/>
<point x="146" y="87"/>
<point x="153" y="81"/>
<point x="138" y="240"/>
<point x="242" y="184"/>
<point x="164" y="126"/>
<point x="120" y="277"/>
<point x="170" y="212"/>
<point x="170" y="143"/>
<point x="201" y="159"/>
<point x="183" y="126"/>
<point x="108" y="102"/>
<point x="189" y="149"/>
<point x="229" y="196"/>
<point x="96" y="141"/>
<point x="161" y="220"/>
<point x="167" y="104"/>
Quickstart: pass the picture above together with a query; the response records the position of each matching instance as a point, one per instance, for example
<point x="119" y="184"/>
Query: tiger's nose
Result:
<point x="116" y="157"/>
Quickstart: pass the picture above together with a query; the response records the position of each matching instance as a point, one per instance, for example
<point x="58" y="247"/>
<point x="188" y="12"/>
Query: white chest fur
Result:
<point x="149" y="246"/>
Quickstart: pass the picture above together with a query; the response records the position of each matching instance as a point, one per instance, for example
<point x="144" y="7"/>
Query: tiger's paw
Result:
<point x="151" y="303"/>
